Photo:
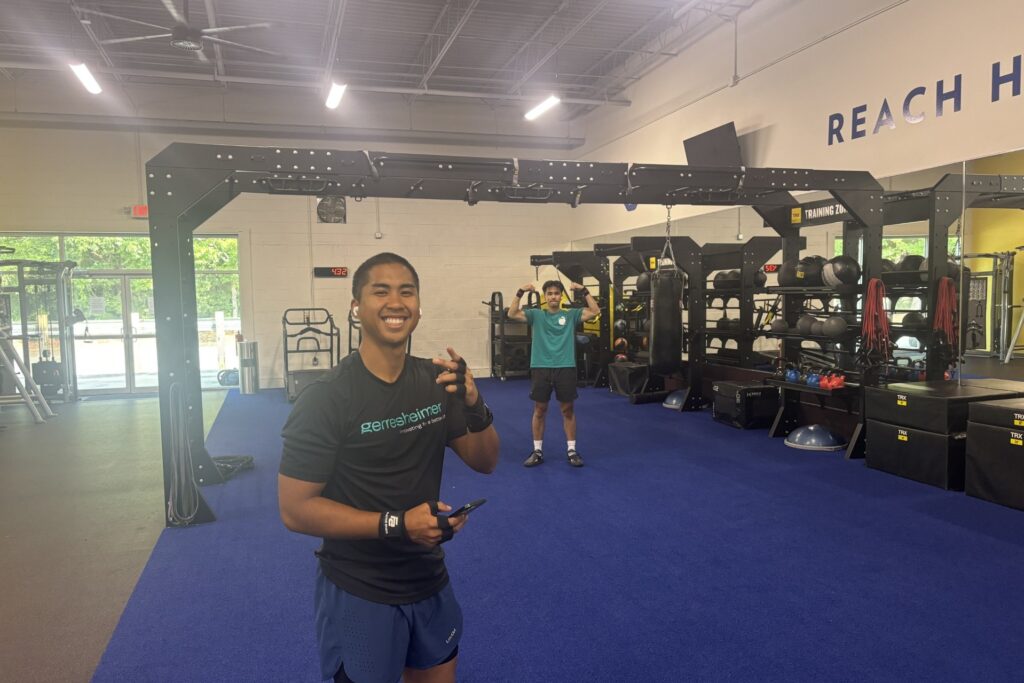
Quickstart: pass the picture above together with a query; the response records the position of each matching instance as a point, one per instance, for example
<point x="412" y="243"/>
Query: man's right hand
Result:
<point x="528" y="287"/>
<point x="421" y="526"/>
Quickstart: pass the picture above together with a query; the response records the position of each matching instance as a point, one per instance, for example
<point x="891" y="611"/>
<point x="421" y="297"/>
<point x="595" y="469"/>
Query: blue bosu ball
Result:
<point x="815" y="438"/>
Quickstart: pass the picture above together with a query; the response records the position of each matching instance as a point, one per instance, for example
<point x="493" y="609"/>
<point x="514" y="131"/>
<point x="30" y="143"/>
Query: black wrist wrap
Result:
<point x="479" y="417"/>
<point x="392" y="525"/>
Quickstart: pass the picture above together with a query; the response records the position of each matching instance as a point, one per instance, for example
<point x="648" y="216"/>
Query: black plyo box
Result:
<point x="747" y="405"/>
<point x="927" y="457"/>
<point x="932" y="406"/>
<point x="627" y="378"/>
<point x="1008" y="413"/>
<point x="995" y="464"/>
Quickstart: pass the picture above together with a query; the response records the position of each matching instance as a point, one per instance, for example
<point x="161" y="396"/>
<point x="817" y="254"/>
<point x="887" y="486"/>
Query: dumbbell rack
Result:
<point x="509" y="340"/>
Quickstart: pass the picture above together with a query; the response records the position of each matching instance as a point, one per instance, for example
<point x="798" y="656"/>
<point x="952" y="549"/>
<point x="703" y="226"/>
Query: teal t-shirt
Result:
<point x="554" y="337"/>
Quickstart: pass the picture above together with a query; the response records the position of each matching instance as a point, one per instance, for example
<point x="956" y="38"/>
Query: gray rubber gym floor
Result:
<point x="80" y="512"/>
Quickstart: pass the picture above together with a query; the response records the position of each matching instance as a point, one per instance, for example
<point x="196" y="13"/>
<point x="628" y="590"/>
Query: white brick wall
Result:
<point x="74" y="181"/>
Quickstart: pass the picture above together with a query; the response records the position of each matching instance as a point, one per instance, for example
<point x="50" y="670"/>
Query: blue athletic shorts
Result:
<point x="376" y="641"/>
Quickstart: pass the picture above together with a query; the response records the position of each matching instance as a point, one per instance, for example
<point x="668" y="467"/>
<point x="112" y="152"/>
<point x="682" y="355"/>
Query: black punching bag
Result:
<point x="666" y="328"/>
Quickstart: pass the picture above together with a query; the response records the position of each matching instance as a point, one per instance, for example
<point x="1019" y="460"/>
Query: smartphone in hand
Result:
<point x="468" y="507"/>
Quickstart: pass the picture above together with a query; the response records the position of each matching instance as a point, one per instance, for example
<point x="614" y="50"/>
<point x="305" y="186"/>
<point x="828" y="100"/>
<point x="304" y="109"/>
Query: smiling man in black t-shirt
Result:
<point x="361" y="468"/>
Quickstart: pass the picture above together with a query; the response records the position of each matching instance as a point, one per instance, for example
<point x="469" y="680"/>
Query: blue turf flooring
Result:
<point x="684" y="550"/>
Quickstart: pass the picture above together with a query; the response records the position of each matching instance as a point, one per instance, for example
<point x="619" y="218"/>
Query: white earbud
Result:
<point x="355" y="311"/>
<point x="421" y="312"/>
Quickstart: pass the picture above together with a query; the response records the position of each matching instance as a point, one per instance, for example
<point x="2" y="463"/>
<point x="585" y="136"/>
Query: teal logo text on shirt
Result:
<point x="402" y="420"/>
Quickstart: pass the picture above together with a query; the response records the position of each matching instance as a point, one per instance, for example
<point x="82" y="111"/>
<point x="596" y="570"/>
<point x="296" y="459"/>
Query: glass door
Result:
<point x="141" y="333"/>
<point x="100" y="349"/>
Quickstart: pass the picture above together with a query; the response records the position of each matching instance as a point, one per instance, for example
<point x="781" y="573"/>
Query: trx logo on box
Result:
<point x="901" y="399"/>
<point x="901" y="435"/>
<point x="795" y="216"/>
<point x="1017" y="438"/>
<point x="1018" y="419"/>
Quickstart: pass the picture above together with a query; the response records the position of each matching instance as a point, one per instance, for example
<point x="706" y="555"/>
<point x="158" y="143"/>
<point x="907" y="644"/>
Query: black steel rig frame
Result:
<point x="189" y="183"/>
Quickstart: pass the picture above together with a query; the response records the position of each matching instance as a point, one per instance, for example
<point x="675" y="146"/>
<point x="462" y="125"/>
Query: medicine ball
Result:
<point x="780" y="325"/>
<point x="621" y="358"/>
<point x="817" y="328"/>
<point x="722" y="324"/>
<point x="621" y="345"/>
<point x="803" y="325"/>
<point x="808" y="272"/>
<point x="621" y="327"/>
<point x="835" y="326"/>
<point x="721" y="280"/>
<point x="952" y="270"/>
<point x="914" y="321"/>
<point x="735" y="278"/>
<point x="787" y="274"/>
<point x="841" y="270"/>
<point x="760" y="278"/>
<point x="643" y="282"/>
<point x="644" y="343"/>
<point x="888" y="266"/>
<point x="910" y="262"/>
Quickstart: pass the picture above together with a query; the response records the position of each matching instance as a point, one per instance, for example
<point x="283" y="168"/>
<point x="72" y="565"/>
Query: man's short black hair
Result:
<point x="553" y="283"/>
<point x="383" y="258"/>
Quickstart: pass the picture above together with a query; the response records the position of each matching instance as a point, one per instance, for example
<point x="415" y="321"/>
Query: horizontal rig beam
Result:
<point x="359" y="174"/>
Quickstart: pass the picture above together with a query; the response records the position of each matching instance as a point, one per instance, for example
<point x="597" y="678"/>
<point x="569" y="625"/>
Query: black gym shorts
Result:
<point x="562" y="380"/>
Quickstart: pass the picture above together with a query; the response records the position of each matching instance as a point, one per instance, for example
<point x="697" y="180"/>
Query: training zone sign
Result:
<point x="1003" y="81"/>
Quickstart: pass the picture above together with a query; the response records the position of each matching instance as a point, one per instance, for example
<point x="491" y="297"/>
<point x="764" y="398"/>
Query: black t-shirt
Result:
<point x="378" y="447"/>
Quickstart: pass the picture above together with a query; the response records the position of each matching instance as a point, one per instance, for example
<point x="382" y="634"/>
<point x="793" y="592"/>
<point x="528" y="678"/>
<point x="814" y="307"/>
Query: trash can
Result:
<point x="248" y="367"/>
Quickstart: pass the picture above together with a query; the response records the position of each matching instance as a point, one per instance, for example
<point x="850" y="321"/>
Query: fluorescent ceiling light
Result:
<point x="334" y="96"/>
<point x="86" y="77"/>
<point x="542" y="107"/>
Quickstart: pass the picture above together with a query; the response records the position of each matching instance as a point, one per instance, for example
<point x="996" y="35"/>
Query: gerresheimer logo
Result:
<point x="401" y="420"/>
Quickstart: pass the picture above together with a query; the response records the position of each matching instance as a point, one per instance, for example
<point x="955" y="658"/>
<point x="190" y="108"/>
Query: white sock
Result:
<point x="572" y="445"/>
<point x="537" y="445"/>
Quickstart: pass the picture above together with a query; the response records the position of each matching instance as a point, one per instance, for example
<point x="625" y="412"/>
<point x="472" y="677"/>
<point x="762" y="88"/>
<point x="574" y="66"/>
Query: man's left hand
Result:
<point x="457" y="377"/>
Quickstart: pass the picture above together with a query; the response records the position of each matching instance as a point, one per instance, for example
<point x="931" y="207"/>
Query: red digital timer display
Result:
<point x="771" y="267"/>
<point x="330" y="271"/>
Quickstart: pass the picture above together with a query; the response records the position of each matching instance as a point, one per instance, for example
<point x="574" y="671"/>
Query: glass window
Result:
<point x="216" y="253"/>
<point x="31" y="248"/>
<point x="108" y="252"/>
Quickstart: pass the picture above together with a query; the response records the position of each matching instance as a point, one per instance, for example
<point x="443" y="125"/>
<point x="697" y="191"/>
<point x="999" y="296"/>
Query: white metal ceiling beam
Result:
<point x="86" y="25"/>
<point x="448" y="43"/>
<point x="433" y="31"/>
<point x="336" y="23"/>
<point x="309" y="85"/>
<point x="660" y="18"/>
<point x="533" y="37"/>
<point x="212" y="19"/>
<point x="558" y="46"/>
<point x="277" y="131"/>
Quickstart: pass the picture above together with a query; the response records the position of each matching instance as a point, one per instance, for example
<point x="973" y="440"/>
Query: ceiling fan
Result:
<point x="182" y="35"/>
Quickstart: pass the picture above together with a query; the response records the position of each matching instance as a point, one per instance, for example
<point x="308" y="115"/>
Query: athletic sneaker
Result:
<point x="536" y="458"/>
<point x="575" y="459"/>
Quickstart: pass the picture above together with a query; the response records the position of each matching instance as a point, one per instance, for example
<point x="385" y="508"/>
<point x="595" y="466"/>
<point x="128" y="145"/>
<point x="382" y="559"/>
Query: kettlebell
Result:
<point x="813" y="379"/>
<point x="792" y="375"/>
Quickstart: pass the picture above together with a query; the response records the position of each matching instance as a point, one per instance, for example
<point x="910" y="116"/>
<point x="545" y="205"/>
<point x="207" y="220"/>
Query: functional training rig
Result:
<point x="189" y="183"/>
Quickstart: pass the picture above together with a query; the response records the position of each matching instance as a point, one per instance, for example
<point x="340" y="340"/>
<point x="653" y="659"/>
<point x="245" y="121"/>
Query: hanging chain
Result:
<point x="667" y="249"/>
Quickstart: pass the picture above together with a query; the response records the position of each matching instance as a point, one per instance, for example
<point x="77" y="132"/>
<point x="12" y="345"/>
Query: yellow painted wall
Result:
<point x="999" y="229"/>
